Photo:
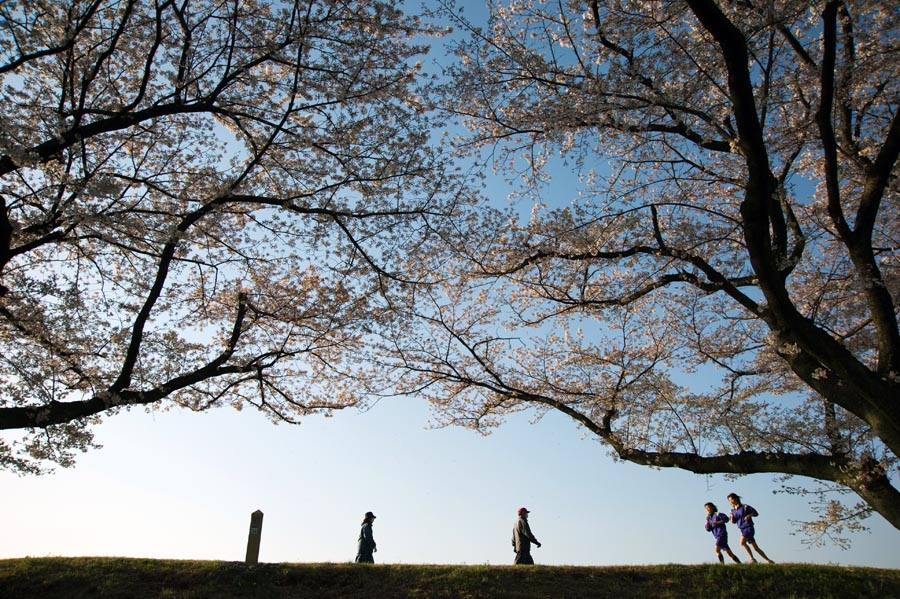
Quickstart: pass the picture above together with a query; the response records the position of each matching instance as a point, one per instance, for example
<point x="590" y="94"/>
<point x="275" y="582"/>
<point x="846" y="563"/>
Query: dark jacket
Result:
<point x="366" y="539"/>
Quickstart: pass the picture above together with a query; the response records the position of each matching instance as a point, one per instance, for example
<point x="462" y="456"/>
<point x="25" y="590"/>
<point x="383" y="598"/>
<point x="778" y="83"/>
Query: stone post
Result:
<point x="253" y="538"/>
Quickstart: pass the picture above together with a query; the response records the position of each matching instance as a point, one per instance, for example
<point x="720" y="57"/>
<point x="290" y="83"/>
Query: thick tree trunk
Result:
<point x="882" y="496"/>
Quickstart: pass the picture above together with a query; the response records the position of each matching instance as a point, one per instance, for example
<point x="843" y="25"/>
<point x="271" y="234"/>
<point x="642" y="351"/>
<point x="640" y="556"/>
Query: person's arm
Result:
<point x="530" y="534"/>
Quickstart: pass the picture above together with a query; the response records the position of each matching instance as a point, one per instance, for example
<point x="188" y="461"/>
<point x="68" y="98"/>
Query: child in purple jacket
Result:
<point x="715" y="523"/>
<point x="742" y="515"/>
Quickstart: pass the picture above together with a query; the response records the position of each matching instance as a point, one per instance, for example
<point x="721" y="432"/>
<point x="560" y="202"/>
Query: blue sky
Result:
<point x="183" y="485"/>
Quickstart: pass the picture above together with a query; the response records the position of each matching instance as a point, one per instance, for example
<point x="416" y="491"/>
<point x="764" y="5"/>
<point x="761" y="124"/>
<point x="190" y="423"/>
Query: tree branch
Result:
<point x="57" y="412"/>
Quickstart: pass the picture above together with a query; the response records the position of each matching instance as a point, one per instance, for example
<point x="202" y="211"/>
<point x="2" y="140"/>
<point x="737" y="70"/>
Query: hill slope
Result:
<point x="121" y="578"/>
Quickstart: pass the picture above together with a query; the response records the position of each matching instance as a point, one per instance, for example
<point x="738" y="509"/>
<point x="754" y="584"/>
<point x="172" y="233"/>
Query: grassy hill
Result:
<point x="121" y="578"/>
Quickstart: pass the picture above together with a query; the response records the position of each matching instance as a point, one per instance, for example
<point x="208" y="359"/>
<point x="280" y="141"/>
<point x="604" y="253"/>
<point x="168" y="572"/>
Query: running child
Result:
<point x="715" y="523"/>
<point x="742" y="515"/>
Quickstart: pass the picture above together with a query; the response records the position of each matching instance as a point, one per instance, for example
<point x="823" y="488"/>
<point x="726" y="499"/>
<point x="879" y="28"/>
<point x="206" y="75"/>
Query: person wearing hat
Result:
<point x="366" y="541"/>
<point x="522" y="539"/>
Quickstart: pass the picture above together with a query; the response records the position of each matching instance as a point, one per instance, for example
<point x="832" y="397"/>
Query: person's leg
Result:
<point x="746" y="545"/>
<point x="760" y="551"/>
<point x="732" y="555"/>
<point x="523" y="558"/>
<point x="719" y="555"/>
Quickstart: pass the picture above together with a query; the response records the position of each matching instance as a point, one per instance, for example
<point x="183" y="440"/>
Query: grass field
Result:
<point x="107" y="578"/>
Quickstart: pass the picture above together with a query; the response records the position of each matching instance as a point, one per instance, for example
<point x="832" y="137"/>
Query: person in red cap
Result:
<point x="522" y="539"/>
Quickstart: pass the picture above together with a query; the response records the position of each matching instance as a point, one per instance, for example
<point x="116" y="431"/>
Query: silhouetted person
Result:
<point x="366" y="541"/>
<point x="522" y="539"/>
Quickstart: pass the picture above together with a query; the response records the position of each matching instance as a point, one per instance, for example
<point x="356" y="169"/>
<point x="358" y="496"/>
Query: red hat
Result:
<point x="523" y="511"/>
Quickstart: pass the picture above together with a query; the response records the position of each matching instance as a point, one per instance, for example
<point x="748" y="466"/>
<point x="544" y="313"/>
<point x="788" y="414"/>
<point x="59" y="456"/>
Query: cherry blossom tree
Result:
<point x="721" y="293"/>
<point x="203" y="203"/>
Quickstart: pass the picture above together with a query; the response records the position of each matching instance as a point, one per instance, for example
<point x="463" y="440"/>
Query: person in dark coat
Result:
<point x="522" y="539"/>
<point x="366" y="541"/>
